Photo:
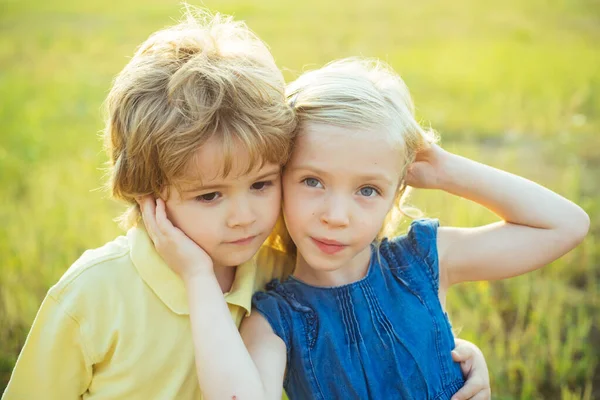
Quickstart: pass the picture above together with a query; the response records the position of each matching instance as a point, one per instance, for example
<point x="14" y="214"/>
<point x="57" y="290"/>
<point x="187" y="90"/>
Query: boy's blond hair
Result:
<point x="368" y="95"/>
<point x="206" y="77"/>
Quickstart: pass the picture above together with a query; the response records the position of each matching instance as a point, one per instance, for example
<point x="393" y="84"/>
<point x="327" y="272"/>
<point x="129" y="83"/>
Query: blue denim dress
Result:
<point x="383" y="337"/>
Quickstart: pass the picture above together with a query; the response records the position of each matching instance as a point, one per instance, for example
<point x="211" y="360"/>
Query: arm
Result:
<point x="538" y="226"/>
<point x="225" y="368"/>
<point x="52" y="364"/>
<point x="268" y="352"/>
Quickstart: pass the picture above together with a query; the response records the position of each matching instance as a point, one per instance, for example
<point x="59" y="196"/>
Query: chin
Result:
<point x="326" y="264"/>
<point x="233" y="260"/>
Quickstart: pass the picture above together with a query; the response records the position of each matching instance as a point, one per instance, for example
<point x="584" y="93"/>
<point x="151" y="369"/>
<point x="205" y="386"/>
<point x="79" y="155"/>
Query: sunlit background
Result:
<point x="515" y="84"/>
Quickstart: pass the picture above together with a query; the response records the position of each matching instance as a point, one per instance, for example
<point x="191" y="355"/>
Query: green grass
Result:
<point x="513" y="84"/>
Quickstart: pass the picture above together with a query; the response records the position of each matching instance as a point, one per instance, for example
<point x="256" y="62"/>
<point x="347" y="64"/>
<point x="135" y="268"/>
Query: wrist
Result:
<point x="448" y="173"/>
<point x="197" y="272"/>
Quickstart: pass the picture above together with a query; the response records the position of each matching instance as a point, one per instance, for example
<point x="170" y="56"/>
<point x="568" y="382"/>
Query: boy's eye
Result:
<point x="312" y="182"/>
<point x="208" y="197"/>
<point x="262" y="185"/>
<point x="368" y="191"/>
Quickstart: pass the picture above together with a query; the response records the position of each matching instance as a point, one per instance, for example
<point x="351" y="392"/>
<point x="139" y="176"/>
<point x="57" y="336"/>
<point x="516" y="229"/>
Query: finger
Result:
<point x="462" y="353"/>
<point x="162" y="221"/>
<point x="485" y="394"/>
<point x="465" y="366"/>
<point x="147" y="205"/>
<point x="469" y="390"/>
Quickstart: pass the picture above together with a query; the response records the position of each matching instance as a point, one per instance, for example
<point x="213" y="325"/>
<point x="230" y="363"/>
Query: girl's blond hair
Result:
<point x="368" y="95"/>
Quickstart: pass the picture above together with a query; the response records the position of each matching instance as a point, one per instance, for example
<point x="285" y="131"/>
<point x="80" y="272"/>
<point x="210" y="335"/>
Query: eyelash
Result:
<point x="375" y="190"/>
<point x="266" y="185"/>
<point x="305" y="180"/>
<point x="202" y="198"/>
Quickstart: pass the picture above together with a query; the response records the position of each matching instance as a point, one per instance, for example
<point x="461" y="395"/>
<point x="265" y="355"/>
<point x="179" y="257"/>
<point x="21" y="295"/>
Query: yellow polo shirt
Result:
<point x="116" y="326"/>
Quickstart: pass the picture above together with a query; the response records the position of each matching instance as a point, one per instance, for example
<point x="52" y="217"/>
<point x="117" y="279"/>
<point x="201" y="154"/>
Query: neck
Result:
<point x="354" y="270"/>
<point x="225" y="276"/>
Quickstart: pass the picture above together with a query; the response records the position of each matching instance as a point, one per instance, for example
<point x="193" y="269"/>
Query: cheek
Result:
<point x="270" y="206"/>
<point x="195" y="221"/>
<point x="299" y="215"/>
<point x="295" y="200"/>
<point x="177" y="213"/>
<point x="372" y="218"/>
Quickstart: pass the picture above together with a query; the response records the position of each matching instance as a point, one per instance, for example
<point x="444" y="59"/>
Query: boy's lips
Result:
<point x="243" y="241"/>
<point x="328" y="246"/>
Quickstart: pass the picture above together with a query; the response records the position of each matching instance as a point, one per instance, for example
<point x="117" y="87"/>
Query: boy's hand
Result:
<point x="475" y="371"/>
<point x="426" y="171"/>
<point x="180" y="252"/>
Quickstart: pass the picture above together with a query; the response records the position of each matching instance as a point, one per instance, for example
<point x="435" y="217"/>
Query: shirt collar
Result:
<point x="169" y="287"/>
<point x="243" y="286"/>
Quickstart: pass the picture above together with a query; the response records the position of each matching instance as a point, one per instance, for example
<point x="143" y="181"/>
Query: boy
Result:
<point x="198" y="117"/>
<point x="200" y="103"/>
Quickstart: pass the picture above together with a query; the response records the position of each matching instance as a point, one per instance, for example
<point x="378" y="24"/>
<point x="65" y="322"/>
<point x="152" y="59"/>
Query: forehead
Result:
<point x="347" y="151"/>
<point x="216" y="161"/>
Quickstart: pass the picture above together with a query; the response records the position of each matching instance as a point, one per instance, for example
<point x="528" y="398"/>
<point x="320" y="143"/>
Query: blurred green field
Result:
<point x="513" y="84"/>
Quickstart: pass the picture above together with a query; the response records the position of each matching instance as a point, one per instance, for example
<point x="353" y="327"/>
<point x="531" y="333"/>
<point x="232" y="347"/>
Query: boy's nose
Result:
<point x="241" y="214"/>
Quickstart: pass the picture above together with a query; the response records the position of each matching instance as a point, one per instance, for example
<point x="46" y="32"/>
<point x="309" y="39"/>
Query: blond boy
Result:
<point x="197" y="117"/>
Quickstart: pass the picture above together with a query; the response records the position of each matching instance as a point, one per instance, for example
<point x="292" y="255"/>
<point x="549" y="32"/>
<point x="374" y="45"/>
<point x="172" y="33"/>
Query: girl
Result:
<point x="362" y="317"/>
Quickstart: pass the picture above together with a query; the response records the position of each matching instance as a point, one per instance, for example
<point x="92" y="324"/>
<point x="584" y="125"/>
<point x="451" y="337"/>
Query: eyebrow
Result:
<point x="222" y="186"/>
<point x="366" y="177"/>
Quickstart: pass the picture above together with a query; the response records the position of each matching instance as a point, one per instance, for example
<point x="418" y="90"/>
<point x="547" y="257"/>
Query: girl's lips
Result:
<point x="329" y="246"/>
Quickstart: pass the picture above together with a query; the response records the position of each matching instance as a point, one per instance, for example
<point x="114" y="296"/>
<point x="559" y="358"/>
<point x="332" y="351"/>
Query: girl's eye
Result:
<point x="209" y="197"/>
<point x="312" y="182"/>
<point x="262" y="185"/>
<point x="368" y="192"/>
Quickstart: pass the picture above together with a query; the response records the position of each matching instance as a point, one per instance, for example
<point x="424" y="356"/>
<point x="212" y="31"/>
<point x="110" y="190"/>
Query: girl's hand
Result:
<point x="427" y="169"/>
<point x="475" y="372"/>
<point x="180" y="252"/>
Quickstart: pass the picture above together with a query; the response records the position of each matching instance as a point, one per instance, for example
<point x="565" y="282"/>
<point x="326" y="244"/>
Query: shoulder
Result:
<point x="282" y="298"/>
<point x="418" y="247"/>
<point x="420" y="231"/>
<point x="273" y="305"/>
<point x="283" y="294"/>
<point x="274" y="296"/>
<point x="95" y="275"/>
<point x="420" y="239"/>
